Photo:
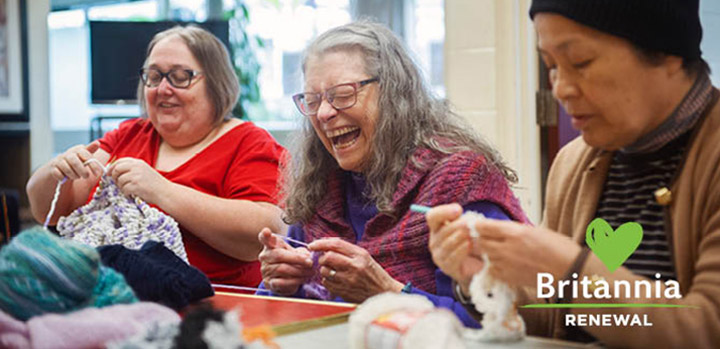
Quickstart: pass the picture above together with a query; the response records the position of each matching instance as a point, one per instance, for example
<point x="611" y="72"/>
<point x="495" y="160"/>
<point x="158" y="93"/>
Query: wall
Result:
<point x="490" y="77"/>
<point x="41" y="140"/>
<point x="21" y="153"/>
<point x="710" y="17"/>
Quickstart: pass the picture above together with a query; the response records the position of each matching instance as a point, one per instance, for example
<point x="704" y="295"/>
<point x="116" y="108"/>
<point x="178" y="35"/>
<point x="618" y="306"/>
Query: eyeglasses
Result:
<point x="178" y="78"/>
<point x="341" y="97"/>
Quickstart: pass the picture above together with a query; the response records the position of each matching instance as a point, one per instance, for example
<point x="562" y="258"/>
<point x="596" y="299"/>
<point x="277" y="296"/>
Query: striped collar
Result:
<point x="680" y="121"/>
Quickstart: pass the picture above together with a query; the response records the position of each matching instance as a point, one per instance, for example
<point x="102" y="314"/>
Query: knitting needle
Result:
<point x="424" y="209"/>
<point x="104" y="169"/>
<point x="420" y="208"/>
<point x="291" y="239"/>
<point x="57" y="191"/>
<point x="240" y="288"/>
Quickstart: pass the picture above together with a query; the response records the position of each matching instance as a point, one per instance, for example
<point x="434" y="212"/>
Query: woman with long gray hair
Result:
<point x="375" y="140"/>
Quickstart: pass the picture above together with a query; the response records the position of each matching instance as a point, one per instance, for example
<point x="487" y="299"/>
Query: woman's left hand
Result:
<point x="136" y="177"/>
<point x="518" y="252"/>
<point x="350" y="272"/>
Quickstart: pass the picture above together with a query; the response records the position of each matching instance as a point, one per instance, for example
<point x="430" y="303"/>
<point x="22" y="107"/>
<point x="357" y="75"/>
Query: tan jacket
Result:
<point x="574" y="186"/>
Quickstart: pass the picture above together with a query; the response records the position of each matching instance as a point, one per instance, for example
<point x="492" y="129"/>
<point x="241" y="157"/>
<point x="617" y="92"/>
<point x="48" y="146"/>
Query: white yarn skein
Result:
<point x="437" y="328"/>
<point x="501" y="322"/>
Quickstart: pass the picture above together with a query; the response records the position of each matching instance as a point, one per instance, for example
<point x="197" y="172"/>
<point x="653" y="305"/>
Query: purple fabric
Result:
<point x="444" y="297"/>
<point x="87" y="328"/>
<point x="359" y="209"/>
<point x="398" y="242"/>
<point x="14" y="333"/>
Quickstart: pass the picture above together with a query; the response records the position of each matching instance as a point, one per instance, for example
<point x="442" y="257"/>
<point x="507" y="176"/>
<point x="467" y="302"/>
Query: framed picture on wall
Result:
<point x="12" y="75"/>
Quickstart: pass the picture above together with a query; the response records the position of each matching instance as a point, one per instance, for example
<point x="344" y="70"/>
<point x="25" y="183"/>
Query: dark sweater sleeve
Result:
<point x="444" y="297"/>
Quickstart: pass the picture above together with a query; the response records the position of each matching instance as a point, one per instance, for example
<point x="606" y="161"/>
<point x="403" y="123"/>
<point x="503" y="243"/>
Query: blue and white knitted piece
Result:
<point x="112" y="218"/>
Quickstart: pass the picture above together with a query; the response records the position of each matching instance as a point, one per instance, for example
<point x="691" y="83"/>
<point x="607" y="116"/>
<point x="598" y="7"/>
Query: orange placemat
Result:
<point x="285" y="315"/>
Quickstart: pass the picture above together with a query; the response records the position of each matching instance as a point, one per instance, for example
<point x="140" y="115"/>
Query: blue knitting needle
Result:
<point x="420" y="208"/>
<point x="291" y="239"/>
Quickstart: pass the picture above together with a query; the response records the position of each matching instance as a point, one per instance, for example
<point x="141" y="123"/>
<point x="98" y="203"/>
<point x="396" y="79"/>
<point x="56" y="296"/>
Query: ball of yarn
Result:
<point x="111" y="288"/>
<point x="42" y="273"/>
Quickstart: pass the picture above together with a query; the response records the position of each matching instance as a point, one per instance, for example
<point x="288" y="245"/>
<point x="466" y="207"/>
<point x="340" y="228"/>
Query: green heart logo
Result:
<point x="613" y="247"/>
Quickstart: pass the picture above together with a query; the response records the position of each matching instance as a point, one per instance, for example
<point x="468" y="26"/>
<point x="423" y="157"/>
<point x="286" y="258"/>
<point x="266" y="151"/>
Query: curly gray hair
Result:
<point x="410" y="116"/>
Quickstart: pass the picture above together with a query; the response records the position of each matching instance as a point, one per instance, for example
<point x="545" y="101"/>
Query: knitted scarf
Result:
<point x="400" y="244"/>
<point x="112" y="218"/>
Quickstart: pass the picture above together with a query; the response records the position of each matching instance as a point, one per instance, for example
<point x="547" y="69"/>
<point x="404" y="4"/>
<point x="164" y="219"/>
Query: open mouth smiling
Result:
<point x="343" y="137"/>
<point x="167" y="105"/>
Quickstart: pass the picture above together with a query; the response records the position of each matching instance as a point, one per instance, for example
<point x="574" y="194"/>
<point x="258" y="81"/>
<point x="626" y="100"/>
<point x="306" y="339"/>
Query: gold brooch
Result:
<point x="663" y="196"/>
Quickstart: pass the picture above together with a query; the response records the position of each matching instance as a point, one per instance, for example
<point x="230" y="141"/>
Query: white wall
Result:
<point x="41" y="138"/>
<point x="710" y="17"/>
<point x="69" y="72"/>
<point x="490" y="77"/>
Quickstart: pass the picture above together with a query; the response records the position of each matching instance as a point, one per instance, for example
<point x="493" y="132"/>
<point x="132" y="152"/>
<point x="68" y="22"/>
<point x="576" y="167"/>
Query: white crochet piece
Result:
<point x="226" y="334"/>
<point x="501" y="321"/>
<point x="436" y="327"/>
<point x="113" y="218"/>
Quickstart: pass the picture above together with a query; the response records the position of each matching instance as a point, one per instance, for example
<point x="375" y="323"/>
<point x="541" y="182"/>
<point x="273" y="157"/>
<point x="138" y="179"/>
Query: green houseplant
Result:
<point x="245" y="60"/>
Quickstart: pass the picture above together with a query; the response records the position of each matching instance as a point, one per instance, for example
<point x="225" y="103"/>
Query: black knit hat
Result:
<point x="668" y="26"/>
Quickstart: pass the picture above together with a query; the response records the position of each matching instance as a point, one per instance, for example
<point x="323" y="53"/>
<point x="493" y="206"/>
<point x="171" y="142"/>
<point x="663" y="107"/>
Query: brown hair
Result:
<point x="222" y="84"/>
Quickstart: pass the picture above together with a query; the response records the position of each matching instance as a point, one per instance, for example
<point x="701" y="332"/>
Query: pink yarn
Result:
<point x="87" y="328"/>
<point x="313" y="288"/>
<point x="13" y="333"/>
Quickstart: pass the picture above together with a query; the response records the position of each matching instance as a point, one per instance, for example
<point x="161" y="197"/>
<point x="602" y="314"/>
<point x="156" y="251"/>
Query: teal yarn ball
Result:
<point x="111" y="288"/>
<point x="43" y="273"/>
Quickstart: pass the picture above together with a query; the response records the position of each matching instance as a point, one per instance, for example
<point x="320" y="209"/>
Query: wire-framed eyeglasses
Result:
<point x="178" y="78"/>
<point x="341" y="97"/>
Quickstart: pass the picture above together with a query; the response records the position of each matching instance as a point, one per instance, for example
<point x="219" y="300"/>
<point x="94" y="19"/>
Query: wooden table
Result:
<point x="301" y="323"/>
<point x="336" y="336"/>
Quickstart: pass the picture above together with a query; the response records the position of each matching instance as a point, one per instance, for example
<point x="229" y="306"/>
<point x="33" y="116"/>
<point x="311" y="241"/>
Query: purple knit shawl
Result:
<point x="401" y="245"/>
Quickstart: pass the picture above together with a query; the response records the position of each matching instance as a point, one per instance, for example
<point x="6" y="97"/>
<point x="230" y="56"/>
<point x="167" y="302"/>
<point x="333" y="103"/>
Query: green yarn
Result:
<point x="112" y="289"/>
<point x="42" y="273"/>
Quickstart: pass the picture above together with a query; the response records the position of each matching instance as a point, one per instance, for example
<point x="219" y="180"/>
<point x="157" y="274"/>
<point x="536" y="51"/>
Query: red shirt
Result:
<point x="241" y="164"/>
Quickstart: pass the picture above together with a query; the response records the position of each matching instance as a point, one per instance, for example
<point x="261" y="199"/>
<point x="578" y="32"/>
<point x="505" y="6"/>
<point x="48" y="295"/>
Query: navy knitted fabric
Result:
<point x="157" y="274"/>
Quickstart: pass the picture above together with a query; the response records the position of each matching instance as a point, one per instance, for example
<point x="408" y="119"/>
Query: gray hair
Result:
<point x="410" y="116"/>
<point x="221" y="83"/>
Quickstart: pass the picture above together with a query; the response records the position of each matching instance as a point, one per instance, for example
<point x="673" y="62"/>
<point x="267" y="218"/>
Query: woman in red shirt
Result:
<point x="214" y="174"/>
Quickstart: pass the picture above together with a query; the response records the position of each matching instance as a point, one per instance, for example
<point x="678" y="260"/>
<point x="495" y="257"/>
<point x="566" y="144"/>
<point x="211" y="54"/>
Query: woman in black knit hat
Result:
<point x="630" y="75"/>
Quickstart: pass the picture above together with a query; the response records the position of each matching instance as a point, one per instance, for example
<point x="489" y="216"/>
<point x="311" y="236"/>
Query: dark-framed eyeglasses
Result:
<point x="178" y="78"/>
<point x="341" y="97"/>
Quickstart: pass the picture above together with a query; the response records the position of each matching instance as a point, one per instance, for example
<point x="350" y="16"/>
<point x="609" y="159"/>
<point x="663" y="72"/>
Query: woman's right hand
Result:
<point x="70" y="164"/>
<point x="451" y="246"/>
<point x="284" y="268"/>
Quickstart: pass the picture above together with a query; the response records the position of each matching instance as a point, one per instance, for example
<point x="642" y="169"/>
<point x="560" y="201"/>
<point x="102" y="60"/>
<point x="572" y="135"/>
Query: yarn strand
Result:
<point x="291" y="239"/>
<point x="241" y="288"/>
<point x="59" y="186"/>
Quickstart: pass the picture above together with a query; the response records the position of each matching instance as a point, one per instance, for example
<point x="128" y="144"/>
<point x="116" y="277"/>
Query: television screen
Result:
<point x="117" y="51"/>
